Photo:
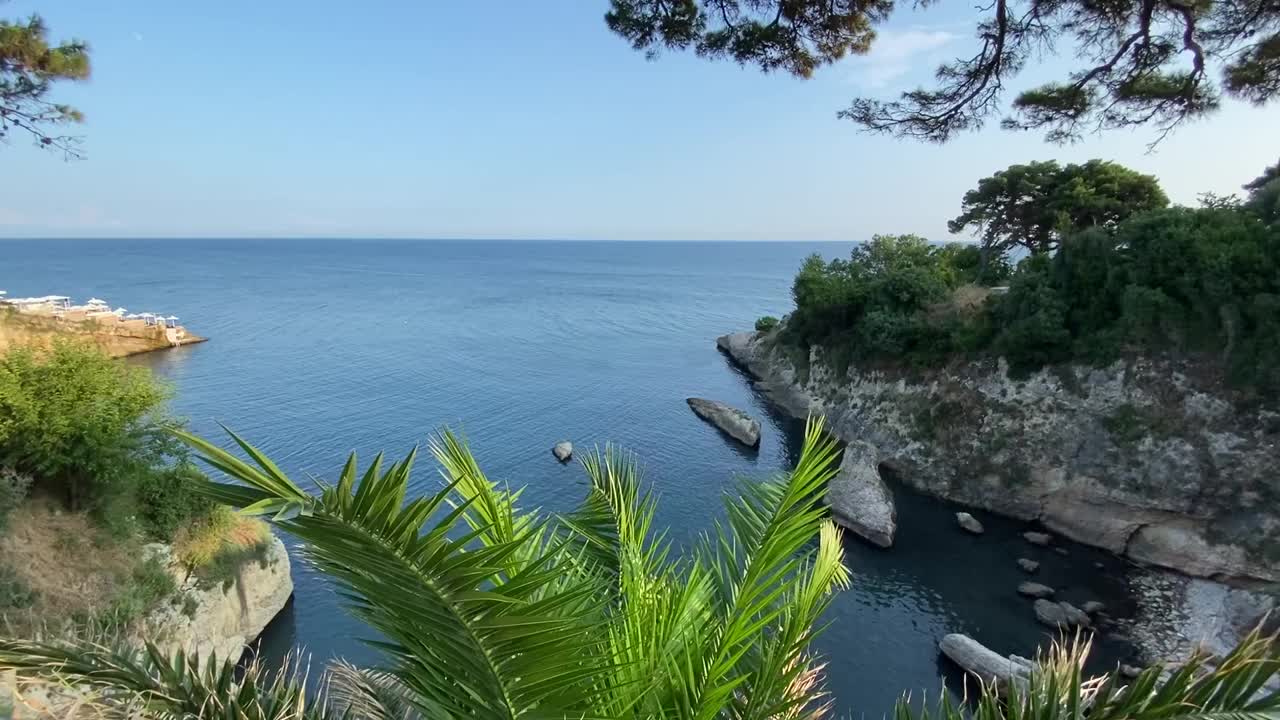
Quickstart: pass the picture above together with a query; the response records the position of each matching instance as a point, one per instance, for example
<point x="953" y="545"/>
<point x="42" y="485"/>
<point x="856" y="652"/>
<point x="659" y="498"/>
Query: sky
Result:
<point x="514" y="119"/>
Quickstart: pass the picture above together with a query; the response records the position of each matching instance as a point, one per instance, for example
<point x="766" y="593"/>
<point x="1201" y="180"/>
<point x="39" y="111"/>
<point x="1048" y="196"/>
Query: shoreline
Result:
<point x="1193" y="594"/>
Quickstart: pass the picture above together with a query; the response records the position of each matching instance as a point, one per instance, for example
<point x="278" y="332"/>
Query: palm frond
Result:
<point x="1240" y="687"/>
<point x="361" y="693"/>
<point x="615" y="520"/>
<point x="129" y="682"/>
<point x="754" y="561"/>
<point x="463" y="632"/>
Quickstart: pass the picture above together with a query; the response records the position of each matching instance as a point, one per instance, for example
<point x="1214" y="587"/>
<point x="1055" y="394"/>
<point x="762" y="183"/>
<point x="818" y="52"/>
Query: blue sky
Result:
<point x="513" y="120"/>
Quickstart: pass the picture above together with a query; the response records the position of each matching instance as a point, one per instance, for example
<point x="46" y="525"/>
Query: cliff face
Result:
<point x="1145" y="458"/>
<point x="225" y="619"/>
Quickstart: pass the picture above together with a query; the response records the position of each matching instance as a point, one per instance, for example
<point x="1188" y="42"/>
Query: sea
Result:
<point x="321" y="347"/>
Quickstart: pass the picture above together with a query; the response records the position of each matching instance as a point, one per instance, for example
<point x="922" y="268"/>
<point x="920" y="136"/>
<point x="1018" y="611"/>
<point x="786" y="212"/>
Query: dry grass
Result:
<point x="223" y="531"/>
<point x="62" y="558"/>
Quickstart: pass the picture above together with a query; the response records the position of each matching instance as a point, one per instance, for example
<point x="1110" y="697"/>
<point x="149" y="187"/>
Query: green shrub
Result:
<point x="148" y="585"/>
<point x="79" y="422"/>
<point x="168" y="499"/>
<point x="1201" y="280"/>
<point x="766" y="323"/>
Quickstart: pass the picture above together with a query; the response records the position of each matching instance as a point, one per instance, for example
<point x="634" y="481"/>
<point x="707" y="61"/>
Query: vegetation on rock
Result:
<point x="89" y="472"/>
<point x="1203" y="281"/>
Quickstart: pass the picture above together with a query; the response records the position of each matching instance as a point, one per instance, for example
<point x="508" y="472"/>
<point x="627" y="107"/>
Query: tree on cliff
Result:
<point x="486" y="611"/>
<point x="1141" y="62"/>
<point x="1033" y="206"/>
<point x="29" y="66"/>
<point x="1264" y="194"/>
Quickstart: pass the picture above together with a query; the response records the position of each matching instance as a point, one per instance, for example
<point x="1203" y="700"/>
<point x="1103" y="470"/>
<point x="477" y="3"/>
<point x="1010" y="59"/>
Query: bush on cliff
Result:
<point x="895" y="297"/>
<point x="1203" y="281"/>
<point x="487" y="611"/>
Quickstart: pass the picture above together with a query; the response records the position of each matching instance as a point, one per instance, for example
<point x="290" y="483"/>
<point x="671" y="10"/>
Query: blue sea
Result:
<point x="321" y="347"/>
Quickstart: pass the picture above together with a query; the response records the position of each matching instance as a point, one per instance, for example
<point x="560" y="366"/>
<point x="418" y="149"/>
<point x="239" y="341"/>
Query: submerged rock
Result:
<point x="859" y="499"/>
<point x="1037" y="538"/>
<point x="1028" y="565"/>
<point x="969" y="523"/>
<point x="1093" y="607"/>
<point x="1060" y="614"/>
<point x="988" y="665"/>
<point x="1035" y="590"/>
<point x="563" y="450"/>
<point x="732" y="421"/>
<point x="1050" y="613"/>
<point x="1130" y="671"/>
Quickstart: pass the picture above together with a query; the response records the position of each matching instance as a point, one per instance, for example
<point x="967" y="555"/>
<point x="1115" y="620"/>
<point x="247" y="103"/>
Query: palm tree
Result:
<point x="487" y="611"/>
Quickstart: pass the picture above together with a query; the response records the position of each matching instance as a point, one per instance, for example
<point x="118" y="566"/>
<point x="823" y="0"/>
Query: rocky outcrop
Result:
<point x="731" y="421"/>
<point x="984" y="663"/>
<point x="859" y="499"/>
<point x="225" y="619"/>
<point x="969" y="523"/>
<point x="1147" y="458"/>
<point x="563" y="450"/>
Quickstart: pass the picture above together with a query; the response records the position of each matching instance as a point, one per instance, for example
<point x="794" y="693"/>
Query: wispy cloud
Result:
<point x="896" y="52"/>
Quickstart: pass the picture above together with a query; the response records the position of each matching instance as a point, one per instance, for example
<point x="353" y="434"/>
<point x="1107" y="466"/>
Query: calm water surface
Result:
<point x="321" y="347"/>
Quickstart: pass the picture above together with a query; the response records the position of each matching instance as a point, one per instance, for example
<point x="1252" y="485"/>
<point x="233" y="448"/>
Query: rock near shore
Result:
<point x="1147" y="458"/>
<point x="225" y="620"/>
<point x="860" y="500"/>
<point x="732" y="421"/>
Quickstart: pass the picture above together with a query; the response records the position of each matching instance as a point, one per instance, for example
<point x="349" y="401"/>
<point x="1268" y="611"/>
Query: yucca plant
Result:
<point x="486" y="611"/>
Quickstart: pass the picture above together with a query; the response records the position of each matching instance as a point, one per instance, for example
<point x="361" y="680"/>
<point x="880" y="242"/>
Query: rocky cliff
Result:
<point x="1146" y="458"/>
<point x="224" y="618"/>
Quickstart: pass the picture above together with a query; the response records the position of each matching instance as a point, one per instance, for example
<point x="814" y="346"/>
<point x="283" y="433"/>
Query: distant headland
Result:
<point x="39" y="320"/>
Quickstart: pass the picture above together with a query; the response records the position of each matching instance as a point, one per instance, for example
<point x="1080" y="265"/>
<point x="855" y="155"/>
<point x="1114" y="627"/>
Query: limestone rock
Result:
<point x="986" y="664"/>
<point x="1130" y="671"/>
<point x="1035" y="590"/>
<point x="1075" y="616"/>
<point x="732" y="421"/>
<point x="1028" y="565"/>
<point x="1093" y="607"/>
<point x="563" y="450"/>
<point x="225" y="621"/>
<point x="1050" y="613"/>
<point x="969" y="523"/>
<point x="1061" y="551"/>
<point x="1037" y="538"/>
<point x="859" y="499"/>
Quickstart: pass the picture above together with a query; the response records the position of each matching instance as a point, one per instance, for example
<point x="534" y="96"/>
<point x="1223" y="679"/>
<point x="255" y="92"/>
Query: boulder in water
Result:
<point x="1037" y="538"/>
<point x="1028" y="565"/>
<point x="1050" y="613"/>
<point x="732" y="421"/>
<point x="1035" y="590"/>
<point x="858" y="497"/>
<point x="969" y="523"/>
<point x="563" y="450"/>
<point x="986" y="664"/>
<point x="1093" y="607"/>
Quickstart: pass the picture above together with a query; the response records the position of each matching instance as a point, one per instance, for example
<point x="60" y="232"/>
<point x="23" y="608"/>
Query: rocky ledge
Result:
<point x="1147" y="458"/>
<point x="224" y="619"/>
